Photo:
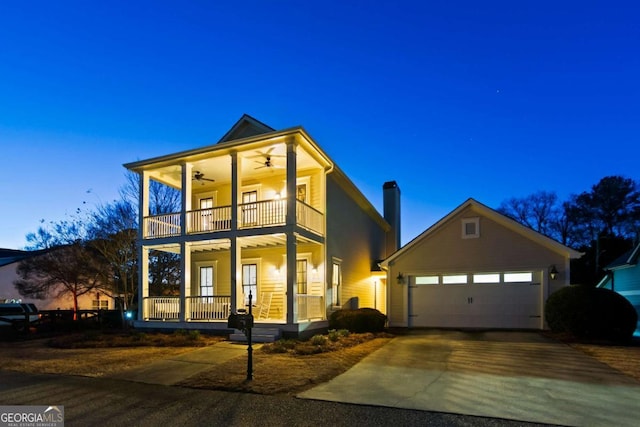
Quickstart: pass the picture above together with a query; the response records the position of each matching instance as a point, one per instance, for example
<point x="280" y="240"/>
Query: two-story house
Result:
<point x="264" y="213"/>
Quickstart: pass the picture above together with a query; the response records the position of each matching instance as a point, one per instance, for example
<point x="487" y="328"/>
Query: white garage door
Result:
<point x="485" y="300"/>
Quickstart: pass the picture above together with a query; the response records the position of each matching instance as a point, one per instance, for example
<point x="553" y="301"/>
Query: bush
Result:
<point x="591" y="313"/>
<point x="334" y="335"/>
<point x="318" y="340"/>
<point x="360" y="320"/>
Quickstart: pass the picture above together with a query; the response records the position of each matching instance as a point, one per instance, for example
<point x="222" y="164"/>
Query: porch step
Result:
<point x="257" y="335"/>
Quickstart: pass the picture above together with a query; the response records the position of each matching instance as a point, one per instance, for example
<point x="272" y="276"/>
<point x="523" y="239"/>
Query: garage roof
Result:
<point x="497" y="217"/>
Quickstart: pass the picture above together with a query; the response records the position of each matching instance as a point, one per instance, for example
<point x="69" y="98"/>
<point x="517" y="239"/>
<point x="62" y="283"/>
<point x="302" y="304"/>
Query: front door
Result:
<point x="249" y="208"/>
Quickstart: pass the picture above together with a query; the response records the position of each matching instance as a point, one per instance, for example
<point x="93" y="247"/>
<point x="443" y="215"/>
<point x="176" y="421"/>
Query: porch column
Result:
<point x="143" y="203"/>
<point x="235" y="247"/>
<point x="186" y="197"/>
<point x="143" y="282"/>
<point x="185" y="280"/>
<point x="292" y="307"/>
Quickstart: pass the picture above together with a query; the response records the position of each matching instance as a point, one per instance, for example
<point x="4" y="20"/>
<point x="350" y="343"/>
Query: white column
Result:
<point x="235" y="258"/>
<point x="185" y="280"/>
<point x="143" y="281"/>
<point x="186" y="197"/>
<point x="292" y="307"/>
<point x="143" y="203"/>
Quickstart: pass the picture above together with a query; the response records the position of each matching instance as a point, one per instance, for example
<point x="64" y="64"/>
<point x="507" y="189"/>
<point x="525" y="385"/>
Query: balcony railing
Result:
<point x="164" y="225"/>
<point x="310" y="307"/>
<point x="309" y="218"/>
<point x="208" y="308"/>
<point x="208" y="220"/>
<point x="266" y="213"/>
<point x="263" y="214"/>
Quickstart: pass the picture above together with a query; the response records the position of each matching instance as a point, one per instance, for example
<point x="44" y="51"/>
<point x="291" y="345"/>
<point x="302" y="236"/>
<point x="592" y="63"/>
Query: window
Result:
<point x="336" y="282"/>
<point x="486" y="278"/>
<point x="470" y="228"/>
<point x="455" y="279"/>
<point x="100" y="304"/>
<point x="518" y="277"/>
<point x="301" y="278"/>
<point x="250" y="282"/>
<point x="427" y="280"/>
<point x="301" y="192"/>
<point x="206" y="281"/>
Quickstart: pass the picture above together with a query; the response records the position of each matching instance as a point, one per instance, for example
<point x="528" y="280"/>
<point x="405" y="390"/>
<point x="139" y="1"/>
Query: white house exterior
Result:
<point x="264" y="212"/>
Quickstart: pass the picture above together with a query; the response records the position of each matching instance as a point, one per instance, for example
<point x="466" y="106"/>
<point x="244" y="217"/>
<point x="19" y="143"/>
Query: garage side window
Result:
<point x="427" y="280"/>
<point x="470" y="228"/>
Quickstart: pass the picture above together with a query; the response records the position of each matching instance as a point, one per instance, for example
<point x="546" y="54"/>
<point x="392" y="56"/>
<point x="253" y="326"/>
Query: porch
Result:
<point x="216" y="309"/>
<point x="260" y="214"/>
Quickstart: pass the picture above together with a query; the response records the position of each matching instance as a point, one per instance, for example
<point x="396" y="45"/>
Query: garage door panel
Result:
<point x="476" y="305"/>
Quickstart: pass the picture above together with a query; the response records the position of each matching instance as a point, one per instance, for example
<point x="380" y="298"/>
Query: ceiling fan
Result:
<point x="268" y="159"/>
<point x="199" y="176"/>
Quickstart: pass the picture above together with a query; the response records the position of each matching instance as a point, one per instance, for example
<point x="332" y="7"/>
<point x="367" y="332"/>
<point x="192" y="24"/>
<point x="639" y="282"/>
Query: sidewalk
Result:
<point x="178" y="368"/>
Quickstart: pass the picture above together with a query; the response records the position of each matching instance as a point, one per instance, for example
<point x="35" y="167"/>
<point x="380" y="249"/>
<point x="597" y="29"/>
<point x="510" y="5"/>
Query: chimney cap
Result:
<point x="389" y="184"/>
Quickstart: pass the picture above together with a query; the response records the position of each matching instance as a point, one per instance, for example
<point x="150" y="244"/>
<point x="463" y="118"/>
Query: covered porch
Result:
<point x="214" y="283"/>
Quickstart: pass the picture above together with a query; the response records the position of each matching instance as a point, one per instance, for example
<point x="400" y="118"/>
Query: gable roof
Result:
<point x="9" y="256"/>
<point x="245" y="127"/>
<point x="628" y="259"/>
<point x="498" y="218"/>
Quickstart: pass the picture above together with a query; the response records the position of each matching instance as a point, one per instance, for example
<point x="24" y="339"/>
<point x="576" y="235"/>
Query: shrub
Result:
<point x="318" y="340"/>
<point x="280" y="346"/>
<point x="591" y="313"/>
<point x="360" y="320"/>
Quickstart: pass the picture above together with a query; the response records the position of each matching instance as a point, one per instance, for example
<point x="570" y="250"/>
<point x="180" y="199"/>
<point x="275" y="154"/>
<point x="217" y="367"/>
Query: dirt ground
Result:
<point x="273" y="373"/>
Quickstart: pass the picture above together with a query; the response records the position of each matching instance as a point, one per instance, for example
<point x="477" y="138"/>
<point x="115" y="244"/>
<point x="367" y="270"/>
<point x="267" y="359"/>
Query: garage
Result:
<point x="475" y="268"/>
<point x="478" y="300"/>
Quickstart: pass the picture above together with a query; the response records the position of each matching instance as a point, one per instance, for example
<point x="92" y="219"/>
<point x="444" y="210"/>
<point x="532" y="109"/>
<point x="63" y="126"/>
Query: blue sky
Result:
<point x="452" y="99"/>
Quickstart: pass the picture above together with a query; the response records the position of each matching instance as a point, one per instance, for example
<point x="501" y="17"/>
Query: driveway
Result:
<point x="512" y="375"/>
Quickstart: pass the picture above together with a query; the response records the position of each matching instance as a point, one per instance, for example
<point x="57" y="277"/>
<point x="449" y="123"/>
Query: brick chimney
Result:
<point x="391" y="200"/>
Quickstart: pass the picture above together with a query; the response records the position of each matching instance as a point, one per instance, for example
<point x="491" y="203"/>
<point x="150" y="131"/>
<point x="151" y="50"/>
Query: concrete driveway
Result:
<point x="513" y="375"/>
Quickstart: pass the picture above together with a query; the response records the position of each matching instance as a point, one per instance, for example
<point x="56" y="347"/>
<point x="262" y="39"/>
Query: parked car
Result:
<point x="18" y="315"/>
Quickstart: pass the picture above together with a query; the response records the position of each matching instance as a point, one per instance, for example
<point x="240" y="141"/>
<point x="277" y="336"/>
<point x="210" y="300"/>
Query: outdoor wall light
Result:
<point x="277" y="196"/>
<point x="553" y="272"/>
<point x="400" y="279"/>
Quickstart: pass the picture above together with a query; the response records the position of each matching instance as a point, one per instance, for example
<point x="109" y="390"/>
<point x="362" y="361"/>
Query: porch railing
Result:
<point x="310" y="307"/>
<point x="309" y="218"/>
<point x="263" y="213"/>
<point x="208" y="308"/>
<point x="162" y="225"/>
<point x="162" y="308"/>
<point x="207" y="220"/>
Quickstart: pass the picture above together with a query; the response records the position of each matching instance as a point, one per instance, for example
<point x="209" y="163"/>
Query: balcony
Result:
<point x="266" y="213"/>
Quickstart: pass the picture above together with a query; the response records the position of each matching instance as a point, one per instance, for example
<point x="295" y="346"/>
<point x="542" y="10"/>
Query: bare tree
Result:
<point x="72" y="269"/>
<point x="112" y="233"/>
<point x="538" y="211"/>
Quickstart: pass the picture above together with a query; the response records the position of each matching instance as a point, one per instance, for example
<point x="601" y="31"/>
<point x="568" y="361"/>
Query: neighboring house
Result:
<point x="475" y="268"/>
<point x="624" y="278"/>
<point x="9" y="261"/>
<point x="265" y="213"/>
